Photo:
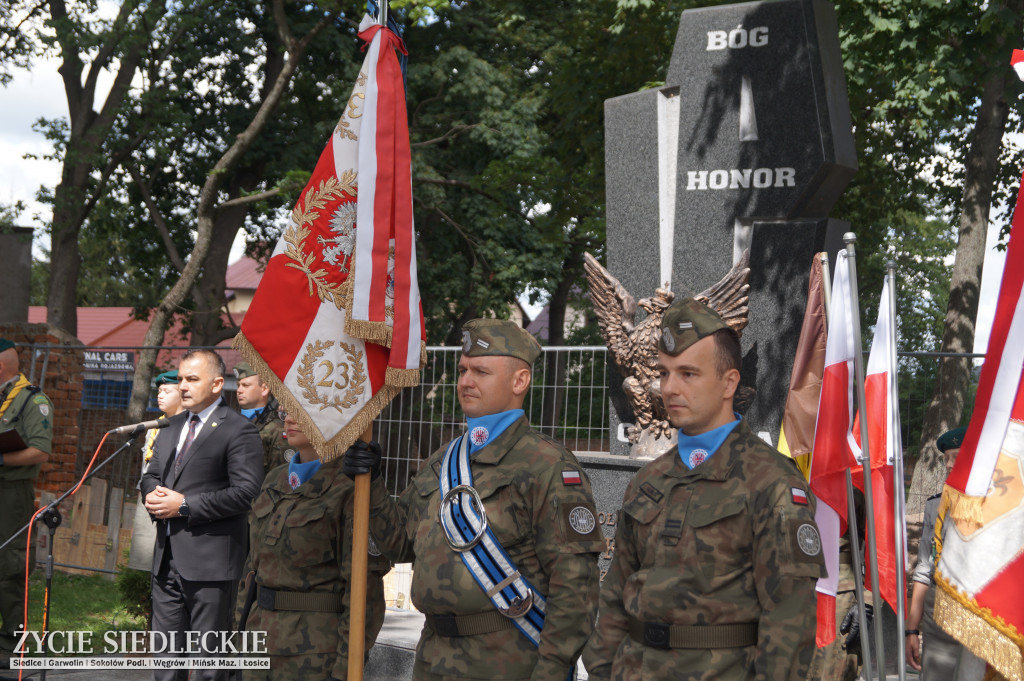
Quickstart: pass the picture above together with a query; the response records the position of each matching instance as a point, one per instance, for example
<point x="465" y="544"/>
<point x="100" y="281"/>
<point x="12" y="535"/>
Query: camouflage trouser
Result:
<point x="421" y="672"/>
<point x="17" y="502"/>
<point x="833" y="662"/>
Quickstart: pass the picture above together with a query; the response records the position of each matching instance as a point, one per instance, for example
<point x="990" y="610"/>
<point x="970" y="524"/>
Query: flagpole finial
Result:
<point x="849" y="238"/>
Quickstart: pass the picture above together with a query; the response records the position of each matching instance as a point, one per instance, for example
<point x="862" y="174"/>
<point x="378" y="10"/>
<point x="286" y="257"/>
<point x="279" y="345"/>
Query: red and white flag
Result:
<point x="980" y="568"/>
<point x="335" y="327"/>
<point x="834" y="446"/>
<point x="886" y="456"/>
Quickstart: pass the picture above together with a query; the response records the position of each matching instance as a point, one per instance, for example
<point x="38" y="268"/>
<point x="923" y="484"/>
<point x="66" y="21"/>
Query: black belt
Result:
<point x="301" y="601"/>
<point x="469" y="625"/>
<point x="657" y="635"/>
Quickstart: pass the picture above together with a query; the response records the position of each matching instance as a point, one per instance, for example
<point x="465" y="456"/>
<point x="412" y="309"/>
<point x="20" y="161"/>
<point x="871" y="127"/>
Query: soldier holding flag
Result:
<point x="500" y="525"/>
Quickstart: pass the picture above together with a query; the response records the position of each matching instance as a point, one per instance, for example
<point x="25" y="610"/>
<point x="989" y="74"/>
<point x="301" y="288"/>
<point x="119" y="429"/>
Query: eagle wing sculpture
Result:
<point x="634" y="346"/>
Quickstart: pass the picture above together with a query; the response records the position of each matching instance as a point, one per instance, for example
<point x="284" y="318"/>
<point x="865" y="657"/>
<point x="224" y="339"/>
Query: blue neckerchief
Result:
<point x="251" y="413"/>
<point x="299" y="472"/>
<point x="696" y="449"/>
<point x="483" y="430"/>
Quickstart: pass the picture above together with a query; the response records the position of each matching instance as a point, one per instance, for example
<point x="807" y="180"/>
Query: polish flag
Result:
<point x="834" y="446"/>
<point x="886" y="455"/>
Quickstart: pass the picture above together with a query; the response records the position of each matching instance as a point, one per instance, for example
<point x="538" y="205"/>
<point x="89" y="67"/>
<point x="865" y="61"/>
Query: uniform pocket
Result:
<point x="310" y="534"/>
<point x="722" y="537"/>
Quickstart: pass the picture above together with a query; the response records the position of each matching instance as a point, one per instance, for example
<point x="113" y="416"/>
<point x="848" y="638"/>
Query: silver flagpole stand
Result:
<point x="869" y="512"/>
<point x="897" y="484"/>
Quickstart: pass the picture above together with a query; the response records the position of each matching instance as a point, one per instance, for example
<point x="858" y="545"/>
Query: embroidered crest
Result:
<point x="467" y="342"/>
<point x="44" y="409"/>
<point x="697" y="457"/>
<point x="808" y="540"/>
<point x="799" y="496"/>
<point x="478" y="435"/>
<point x="582" y="520"/>
<point x="293" y="480"/>
<point x="571" y="478"/>
<point x="667" y="340"/>
<point x="337" y="249"/>
<point x="347" y="378"/>
<point x="288" y="455"/>
<point x="39" y="399"/>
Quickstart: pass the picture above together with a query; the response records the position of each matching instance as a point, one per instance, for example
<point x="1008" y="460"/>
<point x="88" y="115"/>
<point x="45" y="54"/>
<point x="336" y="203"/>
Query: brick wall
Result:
<point x="62" y="383"/>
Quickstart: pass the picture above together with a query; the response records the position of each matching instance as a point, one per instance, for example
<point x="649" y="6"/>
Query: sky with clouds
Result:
<point x="40" y="94"/>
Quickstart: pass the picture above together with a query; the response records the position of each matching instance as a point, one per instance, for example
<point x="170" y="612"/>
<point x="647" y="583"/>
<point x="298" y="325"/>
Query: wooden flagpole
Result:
<point x="357" y="580"/>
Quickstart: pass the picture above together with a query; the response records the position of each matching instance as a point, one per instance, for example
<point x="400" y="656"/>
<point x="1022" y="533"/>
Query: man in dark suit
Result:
<point x="206" y="470"/>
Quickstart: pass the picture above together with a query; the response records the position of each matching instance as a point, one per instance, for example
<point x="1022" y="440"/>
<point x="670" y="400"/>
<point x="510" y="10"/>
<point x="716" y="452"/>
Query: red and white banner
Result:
<point x="331" y="363"/>
<point x="834" y="446"/>
<point x="980" y="569"/>
<point x="882" y="402"/>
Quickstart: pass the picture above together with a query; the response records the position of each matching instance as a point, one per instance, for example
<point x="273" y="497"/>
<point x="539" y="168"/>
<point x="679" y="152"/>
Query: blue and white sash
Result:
<point x="464" y="522"/>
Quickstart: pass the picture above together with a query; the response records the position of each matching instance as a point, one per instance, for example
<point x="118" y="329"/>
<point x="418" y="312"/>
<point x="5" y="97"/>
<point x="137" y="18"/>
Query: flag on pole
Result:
<point x="335" y="327"/>
<point x="796" y="438"/>
<point x="884" y="438"/>
<point x="980" y="568"/>
<point x="834" y="446"/>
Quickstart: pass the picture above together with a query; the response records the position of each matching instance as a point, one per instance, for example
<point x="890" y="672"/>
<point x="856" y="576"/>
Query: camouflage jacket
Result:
<point x="301" y="540"/>
<point x="732" y="541"/>
<point x="528" y="504"/>
<point x="271" y="430"/>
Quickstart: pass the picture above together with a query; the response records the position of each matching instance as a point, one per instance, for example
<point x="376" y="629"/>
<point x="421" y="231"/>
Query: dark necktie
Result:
<point x="192" y="423"/>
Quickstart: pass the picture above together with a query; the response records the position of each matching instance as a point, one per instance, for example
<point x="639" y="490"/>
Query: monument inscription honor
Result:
<point x="748" y="145"/>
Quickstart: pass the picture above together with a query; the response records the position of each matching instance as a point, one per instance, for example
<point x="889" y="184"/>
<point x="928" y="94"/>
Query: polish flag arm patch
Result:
<point x="571" y="477"/>
<point x="799" y="496"/>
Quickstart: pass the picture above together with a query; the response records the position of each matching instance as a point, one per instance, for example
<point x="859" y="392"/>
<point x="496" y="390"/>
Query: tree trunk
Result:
<point x="946" y="406"/>
<point x="207" y="207"/>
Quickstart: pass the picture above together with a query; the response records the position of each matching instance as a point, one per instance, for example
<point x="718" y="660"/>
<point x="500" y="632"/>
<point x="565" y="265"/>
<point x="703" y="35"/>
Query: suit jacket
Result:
<point x="220" y="476"/>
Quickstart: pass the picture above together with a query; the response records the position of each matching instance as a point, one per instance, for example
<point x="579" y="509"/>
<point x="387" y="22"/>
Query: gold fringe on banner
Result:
<point x="326" y="450"/>
<point x="374" y="332"/>
<point x="981" y="631"/>
<point x="962" y="508"/>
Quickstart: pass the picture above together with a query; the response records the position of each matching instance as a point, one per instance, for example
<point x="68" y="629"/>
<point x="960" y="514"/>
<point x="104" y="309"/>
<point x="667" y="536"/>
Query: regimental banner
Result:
<point x="980" y="567"/>
<point x="335" y="327"/>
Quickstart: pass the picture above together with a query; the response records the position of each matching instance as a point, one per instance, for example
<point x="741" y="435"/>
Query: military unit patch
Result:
<point x="697" y="457"/>
<point x="293" y="480"/>
<point x="371" y="546"/>
<point x="582" y="520"/>
<point x="571" y="477"/>
<point x="799" y="496"/>
<point x="808" y="540"/>
<point x="44" y="409"/>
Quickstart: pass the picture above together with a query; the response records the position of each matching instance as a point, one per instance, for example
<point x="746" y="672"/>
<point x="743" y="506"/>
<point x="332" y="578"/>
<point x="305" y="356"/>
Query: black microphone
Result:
<point x="137" y="428"/>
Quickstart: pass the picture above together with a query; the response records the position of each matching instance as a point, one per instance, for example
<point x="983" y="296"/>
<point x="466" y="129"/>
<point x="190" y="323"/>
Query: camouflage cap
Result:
<point x="951" y="439"/>
<point x="685" y="322"/>
<point x="499" y="338"/>
<point x="5" y="344"/>
<point x="166" y="378"/>
<point x="243" y="370"/>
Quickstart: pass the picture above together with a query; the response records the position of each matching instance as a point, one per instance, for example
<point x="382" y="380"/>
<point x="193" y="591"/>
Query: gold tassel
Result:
<point x="339" y="444"/>
<point x="962" y="508"/>
<point x="979" y="629"/>
<point x="402" y="378"/>
<point x="375" y="332"/>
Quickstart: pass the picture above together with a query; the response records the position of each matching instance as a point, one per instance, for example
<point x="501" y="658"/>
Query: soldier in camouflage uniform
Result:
<point x="26" y="410"/>
<point x="716" y="550"/>
<point x="300" y="549"/>
<point x="260" y="407"/>
<point x="539" y="506"/>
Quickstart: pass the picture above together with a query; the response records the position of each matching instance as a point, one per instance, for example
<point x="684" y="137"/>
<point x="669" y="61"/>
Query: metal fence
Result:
<point x="568" y="400"/>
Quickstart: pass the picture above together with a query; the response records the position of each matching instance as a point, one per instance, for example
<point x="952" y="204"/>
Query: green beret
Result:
<point x="167" y="378"/>
<point x="951" y="439"/>
<point x="5" y="344"/>
<point x="685" y="322"/>
<point x="499" y="338"/>
<point x="243" y="370"/>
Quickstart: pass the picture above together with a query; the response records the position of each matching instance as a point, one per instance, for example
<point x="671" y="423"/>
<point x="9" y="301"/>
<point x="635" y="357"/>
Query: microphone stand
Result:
<point x="52" y="518"/>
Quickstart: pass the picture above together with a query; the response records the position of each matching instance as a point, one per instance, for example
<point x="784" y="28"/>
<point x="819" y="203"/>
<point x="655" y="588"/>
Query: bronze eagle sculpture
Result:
<point x="635" y="345"/>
